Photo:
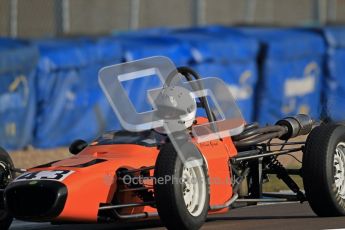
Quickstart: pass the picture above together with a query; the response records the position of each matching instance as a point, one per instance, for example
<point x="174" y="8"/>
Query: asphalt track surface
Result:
<point x="277" y="216"/>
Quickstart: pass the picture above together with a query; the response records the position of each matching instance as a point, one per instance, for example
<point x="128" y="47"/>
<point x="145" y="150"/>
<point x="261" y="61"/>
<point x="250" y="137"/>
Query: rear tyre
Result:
<point x="6" y="176"/>
<point x="181" y="193"/>
<point x="324" y="170"/>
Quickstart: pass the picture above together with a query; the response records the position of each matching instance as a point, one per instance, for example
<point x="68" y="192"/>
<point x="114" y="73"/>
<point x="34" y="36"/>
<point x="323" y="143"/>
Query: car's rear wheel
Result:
<point x="324" y="170"/>
<point x="6" y="176"/>
<point x="181" y="193"/>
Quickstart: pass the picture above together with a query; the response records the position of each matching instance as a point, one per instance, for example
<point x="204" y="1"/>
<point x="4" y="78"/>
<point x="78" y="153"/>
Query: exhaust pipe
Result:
<point x="298" y="125"/>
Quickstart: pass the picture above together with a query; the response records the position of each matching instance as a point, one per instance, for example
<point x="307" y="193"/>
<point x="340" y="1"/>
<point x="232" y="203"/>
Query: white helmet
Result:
<point x="176" y="105"/>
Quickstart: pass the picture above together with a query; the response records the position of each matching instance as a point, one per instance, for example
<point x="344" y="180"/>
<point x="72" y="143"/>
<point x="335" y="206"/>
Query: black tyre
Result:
<point x="6" y="176"/>
<point x="324" y="170"/>
<point x="183" y="201"/>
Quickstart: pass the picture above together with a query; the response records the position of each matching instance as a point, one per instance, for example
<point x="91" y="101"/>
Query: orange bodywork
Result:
<point x="89" y="187"/>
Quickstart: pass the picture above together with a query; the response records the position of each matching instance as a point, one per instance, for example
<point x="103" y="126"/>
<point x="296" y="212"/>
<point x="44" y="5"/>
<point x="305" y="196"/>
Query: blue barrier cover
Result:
<point x="70" y="102"/>
<point x="291" y="69"/>
<point x="217" y="44"/>
<point x="143" y="45"/>
<point x="241" y="78"/>
<point x="335" y="84"/>
<point x="17" y="95"/>
<point x="287" y="43"/>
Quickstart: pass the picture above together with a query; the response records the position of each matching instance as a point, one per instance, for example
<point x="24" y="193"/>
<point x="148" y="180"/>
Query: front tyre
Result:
<point x="181" y="193"/>
<point x="324" y="170"/>
<point x="6" y="176"/>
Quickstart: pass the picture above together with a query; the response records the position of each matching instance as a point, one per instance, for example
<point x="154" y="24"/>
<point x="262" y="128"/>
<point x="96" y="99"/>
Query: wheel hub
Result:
<point x="339" y="169"/>
<point x="194" y="189"/>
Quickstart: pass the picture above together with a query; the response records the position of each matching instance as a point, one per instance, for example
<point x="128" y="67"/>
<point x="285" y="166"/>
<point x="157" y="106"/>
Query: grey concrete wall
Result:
<point x="292" y="12"/>
<point x="98" y="16"/>
<point x="35" y="18"/>
<point x="224" y="11"/>
<point x="341" y="11"/>
<point x="38" y="17"/>
<point x="165" y="13"/>
<point x="4" y="16"/>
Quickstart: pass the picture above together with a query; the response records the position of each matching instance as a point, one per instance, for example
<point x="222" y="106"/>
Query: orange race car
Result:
<point x="126" y="175"/>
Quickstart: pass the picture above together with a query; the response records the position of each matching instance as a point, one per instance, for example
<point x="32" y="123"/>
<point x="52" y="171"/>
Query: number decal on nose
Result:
<point x="58" y="175"/>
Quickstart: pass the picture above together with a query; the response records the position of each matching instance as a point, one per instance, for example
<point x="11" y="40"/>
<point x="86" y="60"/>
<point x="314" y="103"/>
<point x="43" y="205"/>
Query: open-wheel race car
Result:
<point x="176" y="165"/>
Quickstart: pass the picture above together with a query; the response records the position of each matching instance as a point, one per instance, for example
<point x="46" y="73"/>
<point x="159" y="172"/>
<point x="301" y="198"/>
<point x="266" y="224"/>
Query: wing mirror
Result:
<point x="77" y="146"/>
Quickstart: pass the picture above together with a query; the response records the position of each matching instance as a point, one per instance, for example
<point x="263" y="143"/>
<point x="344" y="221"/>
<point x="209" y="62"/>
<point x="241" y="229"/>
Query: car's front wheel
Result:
<point x="181" y="193"/>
